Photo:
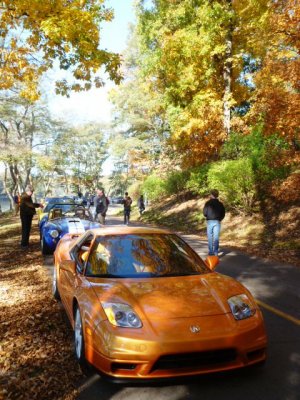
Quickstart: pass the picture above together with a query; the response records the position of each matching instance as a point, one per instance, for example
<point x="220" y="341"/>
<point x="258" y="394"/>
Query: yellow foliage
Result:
<point x="35" y="33"/>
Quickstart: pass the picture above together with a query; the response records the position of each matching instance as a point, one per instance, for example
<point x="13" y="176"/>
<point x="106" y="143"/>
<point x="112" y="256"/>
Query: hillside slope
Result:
<point x="273" y="232"/>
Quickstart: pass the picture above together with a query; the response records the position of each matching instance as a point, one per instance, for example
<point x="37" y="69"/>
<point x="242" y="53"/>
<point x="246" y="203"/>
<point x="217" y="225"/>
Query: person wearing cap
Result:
<point x="27" y="211"/>
<point x="214" y="212"/>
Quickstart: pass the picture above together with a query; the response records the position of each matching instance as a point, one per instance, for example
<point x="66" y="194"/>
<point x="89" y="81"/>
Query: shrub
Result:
<point x="197" y="182"/>
<point x="267" y="154"/>
<point x="154" y="187"/>
<point x="175" y="183"/>
<point x="135" y="190"/>
<point x="235" y="180"/>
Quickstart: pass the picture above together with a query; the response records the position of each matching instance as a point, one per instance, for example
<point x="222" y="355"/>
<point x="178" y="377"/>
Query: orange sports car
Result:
<point x="144" y="305"/>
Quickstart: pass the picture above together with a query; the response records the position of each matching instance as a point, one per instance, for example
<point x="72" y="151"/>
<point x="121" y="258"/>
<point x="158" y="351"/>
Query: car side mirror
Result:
<point x="212" y="262"/>
<point x="68" y="265"/>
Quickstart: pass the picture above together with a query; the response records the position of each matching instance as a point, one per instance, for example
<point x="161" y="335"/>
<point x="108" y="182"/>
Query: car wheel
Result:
<point x="79" y="344"/>
<point x="55" y="291"/>
<point x="45" y="248"/>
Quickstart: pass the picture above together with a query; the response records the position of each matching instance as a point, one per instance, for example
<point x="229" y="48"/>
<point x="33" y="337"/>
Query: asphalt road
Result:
<point x="276" y="288"/>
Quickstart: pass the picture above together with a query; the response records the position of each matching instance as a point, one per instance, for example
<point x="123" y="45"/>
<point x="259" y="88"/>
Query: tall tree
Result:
<point x="81" y="152"/>
<point x="277" y="98"/>
<point x="139" y="119"/>
<point x="195" y="52"/>
<point x="24" y="128"/>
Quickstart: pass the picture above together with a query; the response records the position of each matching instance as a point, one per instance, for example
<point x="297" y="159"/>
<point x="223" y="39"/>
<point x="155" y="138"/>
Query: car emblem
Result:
<point x="194" y="328"/>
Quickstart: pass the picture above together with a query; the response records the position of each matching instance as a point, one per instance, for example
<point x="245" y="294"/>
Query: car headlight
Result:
<point x="122" y="315"/>
<point x="54" y="233"/>
<point x="241" y="307"/>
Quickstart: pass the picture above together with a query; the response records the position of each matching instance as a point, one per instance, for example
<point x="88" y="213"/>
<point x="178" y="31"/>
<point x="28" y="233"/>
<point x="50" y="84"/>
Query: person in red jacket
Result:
<point x="27" y="211"/>
<point x="214" y="212"/>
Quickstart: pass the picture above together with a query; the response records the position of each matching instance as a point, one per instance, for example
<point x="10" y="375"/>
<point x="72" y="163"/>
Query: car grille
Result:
<point x="195" y="360"/>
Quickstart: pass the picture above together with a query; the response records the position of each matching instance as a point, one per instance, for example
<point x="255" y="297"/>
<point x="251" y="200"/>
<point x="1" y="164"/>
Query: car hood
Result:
<point x="72" y="225"/>
<point x="171" y="297"/>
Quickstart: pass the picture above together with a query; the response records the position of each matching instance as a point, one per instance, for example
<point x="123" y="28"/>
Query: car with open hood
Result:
<point x="144" y="305"/>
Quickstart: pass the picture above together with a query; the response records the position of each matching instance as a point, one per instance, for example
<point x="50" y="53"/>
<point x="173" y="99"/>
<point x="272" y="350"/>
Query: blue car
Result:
<point x="61" y="219"/>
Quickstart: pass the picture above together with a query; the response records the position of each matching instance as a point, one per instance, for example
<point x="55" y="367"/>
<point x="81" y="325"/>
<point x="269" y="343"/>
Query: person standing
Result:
<point x="214" y="212"/>
<point x="17" y="203"/>
<point x="101" y="206"/>
<point x="127" y="201"/>
<point x="27" y="211"/>
<point x="141" y="204"/>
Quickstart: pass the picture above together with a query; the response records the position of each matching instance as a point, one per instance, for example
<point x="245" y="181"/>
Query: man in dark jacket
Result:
<point x="127" y="201"/>
<point x="214" y="213"/>
<point x="27" y="211"/>
<point x="101" y="206"/>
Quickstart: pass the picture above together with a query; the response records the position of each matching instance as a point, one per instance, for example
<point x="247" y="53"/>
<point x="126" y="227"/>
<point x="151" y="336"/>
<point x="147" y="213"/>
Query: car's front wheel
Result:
<point x="55" y="291"/>
<point x="79" y="344"/>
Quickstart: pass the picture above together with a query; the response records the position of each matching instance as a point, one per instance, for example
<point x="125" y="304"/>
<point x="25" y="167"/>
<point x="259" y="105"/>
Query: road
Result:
<point x="276" y="288"/>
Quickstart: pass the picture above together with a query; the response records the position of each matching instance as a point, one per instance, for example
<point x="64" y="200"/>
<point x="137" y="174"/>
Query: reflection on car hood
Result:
<point x="176" y="297"/>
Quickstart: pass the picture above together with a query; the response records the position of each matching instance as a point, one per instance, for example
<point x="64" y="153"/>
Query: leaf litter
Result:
<point x="36" y="341"/>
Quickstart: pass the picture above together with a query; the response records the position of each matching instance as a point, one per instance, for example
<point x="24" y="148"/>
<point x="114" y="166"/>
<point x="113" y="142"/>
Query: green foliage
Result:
<point x="135" y="190"/>
<point x="265" y="153"/>
<point x="197" y="182"/>
<point x="176" y="182"/>
<point x="235" y="179"/>
<point x="154" y="187"/>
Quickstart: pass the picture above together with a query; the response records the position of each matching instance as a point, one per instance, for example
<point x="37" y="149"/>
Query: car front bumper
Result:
<point x="174" y="350"/>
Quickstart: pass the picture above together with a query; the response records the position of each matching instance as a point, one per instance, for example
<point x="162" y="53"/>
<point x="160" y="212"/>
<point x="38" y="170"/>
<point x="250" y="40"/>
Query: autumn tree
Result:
<point x="80" y="153"/>
<point x="25" y="128"/>
<point x="197" y="53"/>
<point x="277" y="97"/>
<point x="37" y="34"/>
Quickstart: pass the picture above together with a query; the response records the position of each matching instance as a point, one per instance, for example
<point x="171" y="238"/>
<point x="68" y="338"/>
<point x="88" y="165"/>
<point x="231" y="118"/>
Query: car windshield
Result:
<point x="153" y="255"/>
<point x="68" y="210"/>
<point x="58" y="202"/>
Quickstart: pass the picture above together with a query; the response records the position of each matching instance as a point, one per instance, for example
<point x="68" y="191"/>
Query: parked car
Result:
<point x="42" y="213"/>
<point x="117" y="200"/>
<point x="144" y="305"/>
<point x="61" y="219"/>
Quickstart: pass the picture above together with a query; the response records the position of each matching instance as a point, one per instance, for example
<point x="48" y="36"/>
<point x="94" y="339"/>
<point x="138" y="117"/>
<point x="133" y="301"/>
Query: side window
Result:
<point x="98" y="260"/>
<point x="80" y="252"/>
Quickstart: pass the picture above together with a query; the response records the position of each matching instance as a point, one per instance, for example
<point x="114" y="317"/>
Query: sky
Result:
<point x="94" y="105"/>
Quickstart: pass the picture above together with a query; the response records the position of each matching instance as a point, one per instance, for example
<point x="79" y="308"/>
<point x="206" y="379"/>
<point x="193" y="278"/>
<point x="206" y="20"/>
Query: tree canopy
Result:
<point x="35" y="35"/>
<point x="212" y="68"/>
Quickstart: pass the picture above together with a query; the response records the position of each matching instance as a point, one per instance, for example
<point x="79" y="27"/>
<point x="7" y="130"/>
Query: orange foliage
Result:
<point x="278" y="82"/>
<point x="200" y="140"/>
<point x="288" y="191"/>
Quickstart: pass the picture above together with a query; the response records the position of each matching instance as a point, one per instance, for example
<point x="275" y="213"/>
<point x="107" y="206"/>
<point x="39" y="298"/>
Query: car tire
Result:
<point x="79" y="345"/>
<point x="45" y="248"/>
<point x="55" y="291"/>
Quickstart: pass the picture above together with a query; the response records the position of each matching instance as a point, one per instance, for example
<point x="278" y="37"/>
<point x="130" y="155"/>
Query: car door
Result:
<point x="73" y="281"/>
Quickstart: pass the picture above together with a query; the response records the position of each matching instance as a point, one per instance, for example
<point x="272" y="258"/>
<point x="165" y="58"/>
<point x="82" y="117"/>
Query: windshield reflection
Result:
<point x="143" y="255"/>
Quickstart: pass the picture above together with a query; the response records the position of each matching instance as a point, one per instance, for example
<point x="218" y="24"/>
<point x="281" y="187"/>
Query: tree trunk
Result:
<point x="7" y="191"/>
<point x="227" y="75"/>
